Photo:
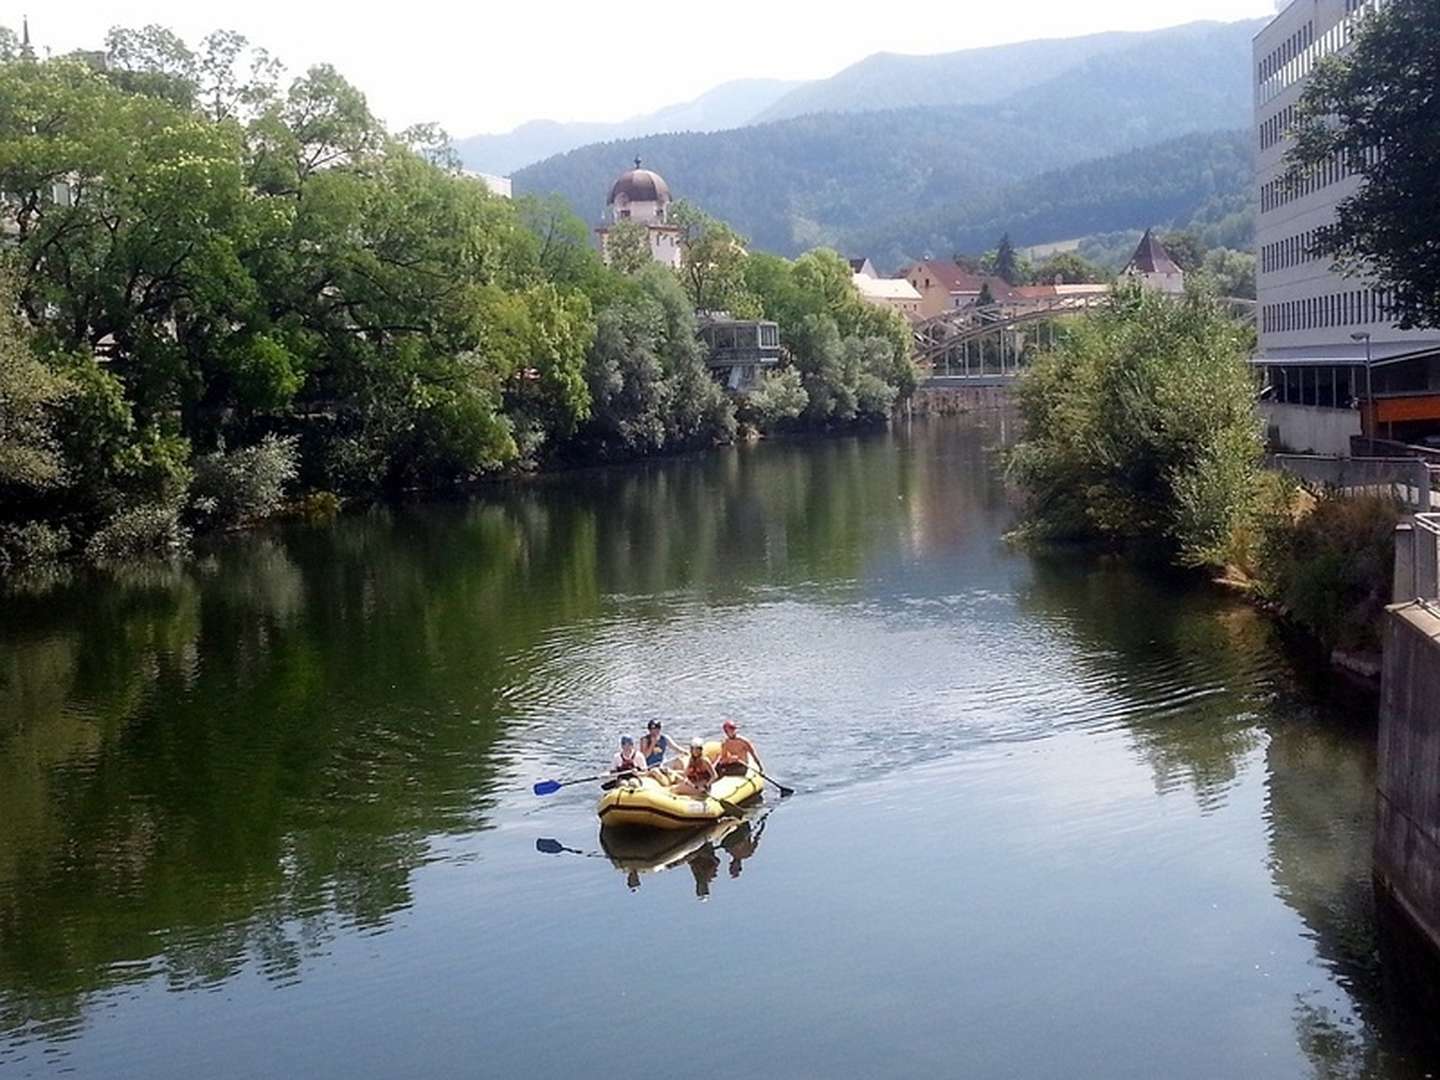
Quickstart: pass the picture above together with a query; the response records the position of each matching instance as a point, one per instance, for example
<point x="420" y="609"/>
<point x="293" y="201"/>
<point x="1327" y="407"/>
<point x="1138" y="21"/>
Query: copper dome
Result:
<point x="639" y="185"/>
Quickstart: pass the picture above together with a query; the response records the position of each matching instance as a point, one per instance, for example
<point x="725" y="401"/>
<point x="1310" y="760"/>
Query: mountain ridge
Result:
<point x="834" y="178"/>
<point x="730" y="104"/>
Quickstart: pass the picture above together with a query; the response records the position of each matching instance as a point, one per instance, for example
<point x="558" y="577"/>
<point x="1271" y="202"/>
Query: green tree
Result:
<point x="152" y="61"/>
<point x="30" y="460"/>
<point x="712" y="262"/>
<point x="1141" y="429"/>
<point x="9" y="44"/>
<point x="1233" y="272"/>
<point x="1185" y="248"/>
<point x="1067" y="268"/>
<point x="1007" y="263"/>
<point x="627" y="247"/>
<point x="986" y="297"/>
<point x="1383" y="93"/>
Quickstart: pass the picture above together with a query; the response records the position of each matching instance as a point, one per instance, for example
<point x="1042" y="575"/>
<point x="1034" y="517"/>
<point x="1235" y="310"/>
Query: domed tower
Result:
<point x="642" y="196"/>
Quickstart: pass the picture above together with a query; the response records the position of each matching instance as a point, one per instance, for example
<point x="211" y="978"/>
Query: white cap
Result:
<point x="697" y="743"/>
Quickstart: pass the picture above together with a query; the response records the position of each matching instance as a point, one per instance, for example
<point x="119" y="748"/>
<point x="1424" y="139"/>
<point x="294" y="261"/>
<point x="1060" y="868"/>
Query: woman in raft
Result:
<point x="699" y="773"/>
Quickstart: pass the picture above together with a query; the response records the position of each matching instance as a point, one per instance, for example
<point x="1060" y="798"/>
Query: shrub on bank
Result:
<point x="1329" y="563"/>
<point x="1140" y="429"/>
<point x="244" y="485"/>
<point x="148" y="529"/>
<point x="1141" y="433"/>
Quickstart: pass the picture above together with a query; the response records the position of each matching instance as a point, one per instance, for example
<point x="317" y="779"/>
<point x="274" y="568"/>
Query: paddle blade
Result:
<point x="547" y="787"/>
<point x="549" y="847"/>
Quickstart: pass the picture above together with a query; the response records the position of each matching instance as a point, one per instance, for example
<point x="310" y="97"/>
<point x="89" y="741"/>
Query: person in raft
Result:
<point x="628" y="760"/>
<point x="699" y="773"/>
<point x="654" y="745"/>
<point x="735" y="753"/>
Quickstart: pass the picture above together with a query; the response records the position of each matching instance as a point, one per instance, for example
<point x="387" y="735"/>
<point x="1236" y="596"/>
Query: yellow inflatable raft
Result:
<point x="649" y="804"/>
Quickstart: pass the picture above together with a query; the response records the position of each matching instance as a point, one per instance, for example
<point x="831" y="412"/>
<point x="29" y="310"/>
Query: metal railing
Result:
<point x="1409" y="480"/>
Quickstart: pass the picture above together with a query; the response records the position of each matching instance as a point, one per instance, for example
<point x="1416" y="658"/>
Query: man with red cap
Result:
<point x="735" y="753"/>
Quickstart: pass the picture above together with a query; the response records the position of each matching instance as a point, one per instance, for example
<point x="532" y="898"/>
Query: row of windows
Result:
<point x="1287" y="73"/>
<point x="1292" y="251"/>
<point x="1355" y="307"/>
<point x="1276" y="193"/>
<point x="1286" y="51"/>
<point x="1329" y="387"/>
<point x="1274" y="129"/>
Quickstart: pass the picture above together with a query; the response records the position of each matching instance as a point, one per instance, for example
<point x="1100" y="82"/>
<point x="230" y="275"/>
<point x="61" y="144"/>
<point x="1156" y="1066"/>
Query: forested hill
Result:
<point x="1204" y="180"/>
<point x="979" y="76"/>
<point x="837" y="178"/>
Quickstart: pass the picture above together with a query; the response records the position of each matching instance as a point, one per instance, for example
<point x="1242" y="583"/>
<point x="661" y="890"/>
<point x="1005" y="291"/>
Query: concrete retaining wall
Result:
<point x="1407" y="838"/>
<point x="1309" y="429"/>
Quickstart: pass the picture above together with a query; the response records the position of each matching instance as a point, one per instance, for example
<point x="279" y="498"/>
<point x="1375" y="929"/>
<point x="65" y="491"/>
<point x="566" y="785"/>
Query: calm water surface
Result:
<point x="269" y="814"/>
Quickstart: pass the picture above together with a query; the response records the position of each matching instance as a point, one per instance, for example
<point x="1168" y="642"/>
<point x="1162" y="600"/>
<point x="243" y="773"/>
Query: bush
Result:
<point x="148" y="529"/>
<point x="31" y="543"/>
<point x="1141" y="429"/>
<point x="244" y="485"/>
<point x="1329" y="565"/>
<point x="778" y="397"/>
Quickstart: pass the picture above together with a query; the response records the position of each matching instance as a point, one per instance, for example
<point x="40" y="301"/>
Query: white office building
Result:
<point x="1313" y="323"/>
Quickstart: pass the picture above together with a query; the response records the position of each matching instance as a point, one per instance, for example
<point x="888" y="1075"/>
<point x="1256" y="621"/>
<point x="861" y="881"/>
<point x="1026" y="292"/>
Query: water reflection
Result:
<point x="236" y="764"/>
<point x="637" y="852"/>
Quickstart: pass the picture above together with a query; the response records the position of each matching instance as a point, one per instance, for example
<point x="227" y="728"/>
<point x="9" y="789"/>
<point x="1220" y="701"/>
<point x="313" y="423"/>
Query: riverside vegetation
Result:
<point x="221" y="296"/>
<point x="1141" y="436"/>
<point x="1141" y="429"/>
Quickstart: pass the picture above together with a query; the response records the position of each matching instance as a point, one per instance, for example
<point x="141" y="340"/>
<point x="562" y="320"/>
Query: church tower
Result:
<point x="642" y="196"/>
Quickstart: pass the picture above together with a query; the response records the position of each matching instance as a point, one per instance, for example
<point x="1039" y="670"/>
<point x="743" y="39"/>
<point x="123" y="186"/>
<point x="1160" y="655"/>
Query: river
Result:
<point x="268" y="813"/>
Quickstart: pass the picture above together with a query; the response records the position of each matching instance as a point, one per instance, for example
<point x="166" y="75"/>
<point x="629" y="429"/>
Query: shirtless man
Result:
<point x="699" y="773"/>
<point x="736" y="752"/>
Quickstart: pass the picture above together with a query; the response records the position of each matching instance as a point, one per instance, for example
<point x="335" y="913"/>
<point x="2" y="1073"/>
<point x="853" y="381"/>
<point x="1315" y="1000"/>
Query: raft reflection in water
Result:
<point x="648" y="851"/>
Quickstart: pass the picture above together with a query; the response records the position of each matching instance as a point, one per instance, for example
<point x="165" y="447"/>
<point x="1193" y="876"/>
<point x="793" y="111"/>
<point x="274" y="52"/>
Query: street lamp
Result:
<point x="1364" y="335"/>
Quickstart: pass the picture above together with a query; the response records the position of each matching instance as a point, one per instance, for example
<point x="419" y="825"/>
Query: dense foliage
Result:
<point x="1141" y="430"/>
<point x="1327" y="560"/>
<point x="223" y="291"/>
<point x="855" y="180"/>
<point x="1383" y="94"/>
<point x="1142" y="435"/>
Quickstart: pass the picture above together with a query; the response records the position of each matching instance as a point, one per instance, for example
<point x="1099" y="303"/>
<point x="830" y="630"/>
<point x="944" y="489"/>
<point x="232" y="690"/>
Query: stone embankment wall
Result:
<point x="949" y="400"/>
<point x="1407" y="838"/>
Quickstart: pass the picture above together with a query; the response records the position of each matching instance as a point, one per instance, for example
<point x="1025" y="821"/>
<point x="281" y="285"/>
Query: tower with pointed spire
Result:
<point x="1152" y="266"/>
<point x="27" y="51"/>
<point x="642" y="196"/>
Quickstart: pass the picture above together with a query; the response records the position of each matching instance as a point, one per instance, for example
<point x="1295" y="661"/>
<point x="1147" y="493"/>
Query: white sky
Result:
<point x="487" y="65"/>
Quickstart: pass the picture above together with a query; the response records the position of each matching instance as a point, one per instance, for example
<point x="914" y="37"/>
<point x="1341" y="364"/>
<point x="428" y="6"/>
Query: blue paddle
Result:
<point x="549" y="787"/>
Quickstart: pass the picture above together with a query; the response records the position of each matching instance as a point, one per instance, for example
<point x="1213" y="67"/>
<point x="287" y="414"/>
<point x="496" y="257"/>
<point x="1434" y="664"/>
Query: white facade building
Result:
<point x="894" y="293"/>
<point x="642" y="196"/>
<point x="1306" y="312"/>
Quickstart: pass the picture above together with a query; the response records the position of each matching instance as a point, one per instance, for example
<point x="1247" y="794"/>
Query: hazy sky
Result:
<point x="487" y="65"/>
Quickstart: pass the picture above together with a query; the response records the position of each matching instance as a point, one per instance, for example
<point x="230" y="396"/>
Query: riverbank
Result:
<point x="1141" y="436"/>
